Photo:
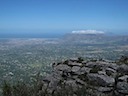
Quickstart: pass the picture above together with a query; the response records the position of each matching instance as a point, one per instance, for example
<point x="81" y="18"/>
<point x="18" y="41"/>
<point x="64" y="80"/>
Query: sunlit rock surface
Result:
<point x="95" y="78"/>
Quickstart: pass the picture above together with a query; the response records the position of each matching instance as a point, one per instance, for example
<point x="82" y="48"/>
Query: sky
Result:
<point x="63" y="15"/>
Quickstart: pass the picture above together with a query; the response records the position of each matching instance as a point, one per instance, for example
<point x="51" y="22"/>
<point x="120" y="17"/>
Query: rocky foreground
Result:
<point x="77" y="77"/>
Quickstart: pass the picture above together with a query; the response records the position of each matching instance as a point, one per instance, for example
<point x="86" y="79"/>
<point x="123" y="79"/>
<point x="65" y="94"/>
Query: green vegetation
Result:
<point x="21" y="59"/>
<point x="34" y="88"/>
<point x="22" y="89"/>
<point x="7" y="89"/>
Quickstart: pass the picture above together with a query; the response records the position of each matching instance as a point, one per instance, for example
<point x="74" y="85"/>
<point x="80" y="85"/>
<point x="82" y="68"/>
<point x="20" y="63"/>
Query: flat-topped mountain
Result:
<point x="94" y="38"/>
<point x="81" y="36"/>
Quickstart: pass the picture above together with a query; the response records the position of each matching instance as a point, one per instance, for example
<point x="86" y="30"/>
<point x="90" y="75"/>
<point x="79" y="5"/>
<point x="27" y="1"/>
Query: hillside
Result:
<point x="78" y="77"/>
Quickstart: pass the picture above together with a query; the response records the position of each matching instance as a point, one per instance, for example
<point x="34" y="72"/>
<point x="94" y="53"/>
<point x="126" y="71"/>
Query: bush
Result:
<point x="7" y="89"/>
<point x="22" y="89"/>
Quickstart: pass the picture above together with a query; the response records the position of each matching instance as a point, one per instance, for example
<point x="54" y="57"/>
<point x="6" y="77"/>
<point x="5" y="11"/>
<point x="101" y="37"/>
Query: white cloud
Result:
<point x="87" y="32"/>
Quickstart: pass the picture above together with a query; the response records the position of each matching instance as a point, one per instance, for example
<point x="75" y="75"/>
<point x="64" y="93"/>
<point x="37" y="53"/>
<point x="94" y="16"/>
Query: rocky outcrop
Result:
<point x="91" y="78"/>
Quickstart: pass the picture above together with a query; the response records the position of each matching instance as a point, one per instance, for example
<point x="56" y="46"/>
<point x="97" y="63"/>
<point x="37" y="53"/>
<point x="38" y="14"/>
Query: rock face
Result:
<point x="93" y="78"/>
<point x="101" y="80"/>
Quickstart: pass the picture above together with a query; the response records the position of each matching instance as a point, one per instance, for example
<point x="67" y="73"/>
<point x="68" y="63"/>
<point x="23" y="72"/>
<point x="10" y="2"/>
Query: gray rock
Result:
<point x="74" y="64"/>
<point x="101" y="72"/>
<point x="84" y="62"/>
<point x="91" y="64"/>
<point x="44" y="87"/>
<point x="63" y="67"/>
<point x="54" y="83"/>
<point x="75" y="69"/>
<point x="74" y="95"/>
<point x="98" y="64"/>
<point x="123" y="78"/>
<point x="118" y="94"/>
<point x="81" y="82"/>
<point x="74" y="76"/>
<point x="123" y="69"/>
<point x="113" y="66"/>
<point x="122" y="87"/>
<point x="57" y="74"/>
<point x="54" y="76"/>
<point x="71" y="84"/>
<point x="48" y="78"/>
<point x="104" y="89"/>
<point x="51" y="82"/>
<point x="111" y="72"/>
<point x="101" y="80"/>
<point x="73" y="59"/>
<point x="103" y="64"/>
<point x="54" y="64"/>
<point x="107" y="64"/>
<point x="85" y="70"/>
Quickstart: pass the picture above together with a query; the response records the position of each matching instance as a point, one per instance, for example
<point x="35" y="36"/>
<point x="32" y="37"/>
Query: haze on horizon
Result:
<point x="45" y="16"/>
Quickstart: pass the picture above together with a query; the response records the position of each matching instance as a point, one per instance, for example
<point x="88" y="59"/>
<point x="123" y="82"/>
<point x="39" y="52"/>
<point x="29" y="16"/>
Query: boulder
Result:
<point x="123" y="78"/>
<point x="104" y="89"/>
<point x="81" y="82"/>
<point x="100" y="80"/>
<point x="102" y="64"/>
<point x="91" y="64"/>
<point x="75" y="69"/>
<point x="73" y="59"/>
<point x="111" y="72"/>
<point x="123" y="69"/>
<point x="63" y="67"/>
<point x="101" y="72"/>
<point x="85" y="70"/>
<point x="74" y="64"/>
<point x="71" y="84"/>
<point x="122" y="87"/>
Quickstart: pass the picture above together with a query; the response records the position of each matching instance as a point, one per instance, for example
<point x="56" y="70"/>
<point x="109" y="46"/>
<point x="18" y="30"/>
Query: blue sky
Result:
<point x="63" y="15"/>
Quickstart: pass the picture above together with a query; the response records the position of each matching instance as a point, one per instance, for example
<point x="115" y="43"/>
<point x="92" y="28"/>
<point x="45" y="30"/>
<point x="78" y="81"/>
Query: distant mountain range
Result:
<point x="96" y="38"/>
<point x="58" y="34"/>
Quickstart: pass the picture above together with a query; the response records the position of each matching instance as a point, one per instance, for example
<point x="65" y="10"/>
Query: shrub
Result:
<point x="7" y="89"/>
